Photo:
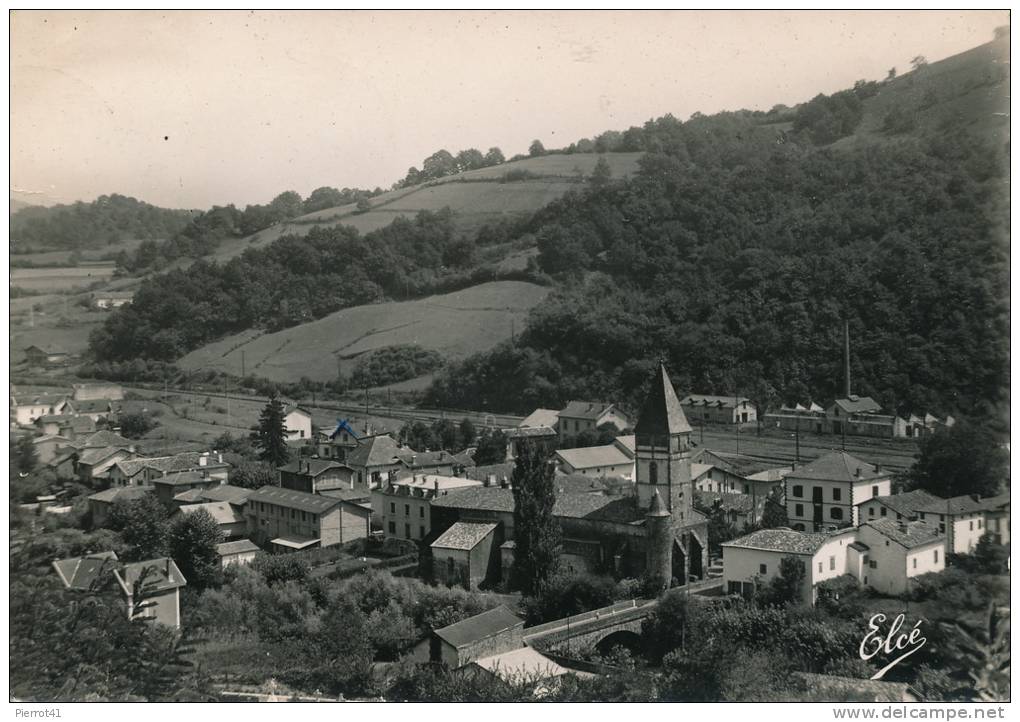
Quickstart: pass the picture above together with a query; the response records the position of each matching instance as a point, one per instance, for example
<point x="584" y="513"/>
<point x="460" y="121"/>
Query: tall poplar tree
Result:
<point x="536" y="532"/>
<point x="270" y="436"/>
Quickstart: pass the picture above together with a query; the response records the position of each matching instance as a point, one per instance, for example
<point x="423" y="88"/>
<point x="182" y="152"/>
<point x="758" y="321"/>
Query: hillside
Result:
<point x="456" y="324"/>
<point x="476" y="197"/>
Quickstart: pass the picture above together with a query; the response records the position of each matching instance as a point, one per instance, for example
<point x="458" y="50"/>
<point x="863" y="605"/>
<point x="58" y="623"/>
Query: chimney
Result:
<point x="414" y="458"/>
<point x="442" y="455"/>
<point x="436" y="483"/>
<point x="846" y="357"/>
<point x="504" y="483"/>
<point x="219" y="457"/>
<point x="490" y="479"/>
<point x="878" y="468"/>
<point x="858" y="472"/>
<point x="975" y="497"/>
<point x="903" y="526"/>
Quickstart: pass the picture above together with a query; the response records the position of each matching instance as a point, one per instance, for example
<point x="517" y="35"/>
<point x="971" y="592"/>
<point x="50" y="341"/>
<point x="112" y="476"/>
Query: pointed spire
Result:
<point x="661" y="413"/>
<point x="657" y="508"/>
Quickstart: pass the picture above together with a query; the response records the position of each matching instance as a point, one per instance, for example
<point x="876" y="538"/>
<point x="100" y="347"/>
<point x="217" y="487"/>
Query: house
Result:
<point x="172" y="485"/>
<point x="101" y="503"/>
<point x="463" y="555"/>
<point x="735" y="473"/>
<point x="373" y="459"/>
<point x="442" y="463"/>
<point x="49" y="356"/>
<point x="540" y="417"/>
<point x="94" y="409"/>
<point x="710" y="409"/>
<point x="25" y="409"/>
<point x="997" y="517"/>
<point x="809" y="419"/>
<point x="316" y="475"/>
<point x="298" y="423"/>
<point x="403" y="505"/>
<point x="753" y="560"/>
<point x="97" y="391"/>
<point x="339" y="442"/>
<point x="104" y="300"/>
<point x="63" y="464"/>
<point x="143" y="470"/>
<point x="961" y="519"/>
<point x="77" y="427"/>
<point x="93" y="463"/>
<point x="236" y="496"/>
<point x="740" y="510"/>
<point x="231" y="520"/>
<point x="896" y="506"/>
<point x="862" y="416"/>
<point x="826" y="493"/>
<point x="483" y="635"/>
<point x="48" y="447"/>
<point x="895" y="551"/>
<point x="581" y="416"/>
<point x="544" y="435"/>
<point x="153" y="590"/>
<point x="609" y="460"/>
<point x="293" y="520"/>
<point x="241" y="552"/>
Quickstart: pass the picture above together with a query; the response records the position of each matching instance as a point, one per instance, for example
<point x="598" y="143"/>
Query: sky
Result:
<point x="192" y="109"/>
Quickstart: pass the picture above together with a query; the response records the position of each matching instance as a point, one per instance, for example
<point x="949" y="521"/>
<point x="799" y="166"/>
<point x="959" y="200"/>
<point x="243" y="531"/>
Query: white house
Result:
<point x="298" y="423"/>
<point x="719" y="409"/>
<point x="597" y="461"/>
<point x="581" y="416"/>
<point x="897" y="551"/>
<point x="961" y="519"/>
<point x="826" y="493"/>
<point x="26" y="409"/>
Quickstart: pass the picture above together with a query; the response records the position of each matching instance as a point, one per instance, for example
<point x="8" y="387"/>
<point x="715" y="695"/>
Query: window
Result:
<point x="407" y="510"/>
<point x="393" y="508"/>
<point x="942" y="517"/>
<point x="303" y="517"/>
<point x="732" y="587"/>
<point x="936" y="556"/>
<point x="979" y="523"/>
<point x="922" y="516"/>
<point x="819" y="567"/>
<point x="871" y="511"/>
<point x="421" y="532"/>
<point x="837" y="494"/>
<point x="832" y="563"/>
<point x="407" y="531"/>
<point x="873" y="564"/>
<point x="971" y="526"/>
<point x="763" y="569"/>
<point x="798" y="510"/>
<point x="942" y="528"/>
<point x="836" y="513"/>
<point x="449" y="568"/>
<point x="915" y="562"/>
<point x="421" y="512"/>
<point x="653" y="473"/>
<point x="391" y="527"/>
<point x="874" y="491"/>
<point x="798" y="491"/>
<point x="747" y="489"/>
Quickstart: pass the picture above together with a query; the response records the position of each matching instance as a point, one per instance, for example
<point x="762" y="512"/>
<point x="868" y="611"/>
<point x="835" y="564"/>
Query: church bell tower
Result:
<point x="663" y="452"/>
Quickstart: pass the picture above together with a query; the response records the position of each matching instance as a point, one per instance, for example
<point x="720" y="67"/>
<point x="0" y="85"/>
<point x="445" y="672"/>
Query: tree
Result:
<point x="491" y="448"/>
<point x="270" y="436"/>
<point x="602" y="173"/>
<point x="323" y="198"/>
<point x="536" y="531"/>
<point x="985" y="649"/>
<point x="720" y="529"/>
<point x="918" y="62"/>
<point x="286" y="205"/>
<point x="254" y="475"/>
<point x="890" y="74"/>
<point x="536" y="149"/>
<point x="142" y="524"/>
<point x="788" y="587"/>
<point x="468" y="433"/>
<point x="363" y="206"/>
<point x="494" y="157"/>
<point x="135" y="425"/>
<point x="23" y="456"/>
<point x="192" y="541"/>
<point x="279" y="568"/>
<point x="963" y="459"/>
<point x="774" y="515"/>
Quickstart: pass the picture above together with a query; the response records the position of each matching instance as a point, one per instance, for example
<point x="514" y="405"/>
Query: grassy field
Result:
<point x="456" y="324"/>
<point x="61" y="279"/>
<point x="477" y="197"/>
<point x="63" y="257"/>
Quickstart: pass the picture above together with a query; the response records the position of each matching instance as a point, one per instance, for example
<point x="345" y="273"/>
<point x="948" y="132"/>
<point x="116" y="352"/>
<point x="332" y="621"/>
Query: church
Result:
<point x="650" y="530"/>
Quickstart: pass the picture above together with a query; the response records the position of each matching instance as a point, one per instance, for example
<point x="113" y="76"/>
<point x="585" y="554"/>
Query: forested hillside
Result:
<point x="104" y="221"/>
<point x="734" y="254"/>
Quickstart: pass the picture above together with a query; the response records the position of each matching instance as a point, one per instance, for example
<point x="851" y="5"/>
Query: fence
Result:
<point x="587" y="616"/>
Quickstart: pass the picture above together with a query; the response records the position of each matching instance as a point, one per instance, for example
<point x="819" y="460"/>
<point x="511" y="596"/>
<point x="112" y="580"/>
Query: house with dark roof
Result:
<point x="88" y="573"/>
<point x="709" y="409"/>
<point x="373" y="459"/>
<point x="92" y="464"/>
<point x="896" y="506"/>
<point x="26" y="408"/>
<point x="403" y="506"/>
<point x="827" y="493"/>
<point x="152" y="590"/>
<point x="495" y="631"/>
<point x="94" y="409"/>
<point x="581" y="416"/>
<point x="46" y="356"/>
<point x="230" y="520"/>
<point x="465" y="554"/>
<point x="961" y="519"/>
<point x="101" y="503"/>
<point x="315" y="475"/>
<point x="146" y="469"/>
<point x="862" y="416"/>
<point x="740" y="510"/>
<point x="172" y="485"/>
<point x="290" y="520"/>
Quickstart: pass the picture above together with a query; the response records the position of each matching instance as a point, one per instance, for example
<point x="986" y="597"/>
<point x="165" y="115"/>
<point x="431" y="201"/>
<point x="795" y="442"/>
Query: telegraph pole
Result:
<point x="243" y="374"/>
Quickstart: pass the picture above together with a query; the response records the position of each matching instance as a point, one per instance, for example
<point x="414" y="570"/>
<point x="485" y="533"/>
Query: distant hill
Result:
<point x="456" y="324"/>
<point x="17" y="205"/>
<point x="507" y="191"/>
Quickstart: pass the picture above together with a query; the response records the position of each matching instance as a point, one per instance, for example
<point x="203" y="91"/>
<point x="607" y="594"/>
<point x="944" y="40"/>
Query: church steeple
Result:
<point x="662" y="450"/>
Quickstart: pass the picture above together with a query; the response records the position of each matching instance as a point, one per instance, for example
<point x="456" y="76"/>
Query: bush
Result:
<point x="277" y="568"/>
<point x="567" y="594"/>
<point x="135" y="425"/>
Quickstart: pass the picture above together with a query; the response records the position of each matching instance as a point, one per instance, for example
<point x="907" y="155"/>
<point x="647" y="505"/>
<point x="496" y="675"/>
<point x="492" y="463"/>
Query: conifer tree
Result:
<point x="536" y="532"/>
<point x="270" y="436"/>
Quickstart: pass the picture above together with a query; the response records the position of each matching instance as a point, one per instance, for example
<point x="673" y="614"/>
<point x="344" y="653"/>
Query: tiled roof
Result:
<point x="130" y="467"/>
<point x="424" y="459"/>
<point x="50" y="437"/>
<point x="529" y="432"/>
<point x="478" y="498"/>
<point x="571" y="506"/>
<point x="594" y="457"/>
<point x="181" y="478"/>
<point x="956" y="505"/>
<point x="837" y="466"/>
<point x="91" y="457"/>
<point x="191" y="496"/>
<point x="226" y="492"/>
<point x="697" y="470"/>
<point x="908" y="502"/>
<point x="83" y="573"/>
<point x="908" y="533"/>
<point x="375" y="451"/>
<point x="314" y="503"/>
<point x="858" y="405"/>
<point x="160" y="575"/>
<point x="627" y="444"/>
<point x="708" y="399"/>
<point x="463" y="535"/>
<point x="590" y="410"/>
<point x="105" y="438"/>
<point x="780" y="540"/>
<point x="661" y="413"/>
<point x="482" y="472"/>
<point x="994" y="503"/>
<point x="236" y="547"/>
<point x="41" y="400"/>
<point x="740" y="503"/>
<point x="312" y="466"/>
<point x="480" y="626"/>
<point x="223" y="512"/>
<point x="580" y="484"/>
<point x="185" y="461"/>
<point x="435" y="481"/>
<point x="93" y="406"/>
<point x="770" y="474"/>
<point x="117" y="493"/>
<point x="523" y="663"/>
<point x="541" y="417"/>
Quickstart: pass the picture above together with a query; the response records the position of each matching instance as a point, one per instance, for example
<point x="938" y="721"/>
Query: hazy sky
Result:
<point x="191" y="109"/>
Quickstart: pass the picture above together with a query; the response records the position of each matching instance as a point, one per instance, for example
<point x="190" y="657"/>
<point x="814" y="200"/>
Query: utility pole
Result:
<point x="797" y="437"/>
<point x="243" y="374"/>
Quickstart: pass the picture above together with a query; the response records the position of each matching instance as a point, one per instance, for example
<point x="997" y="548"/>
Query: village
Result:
<point x="649" y="503"/>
